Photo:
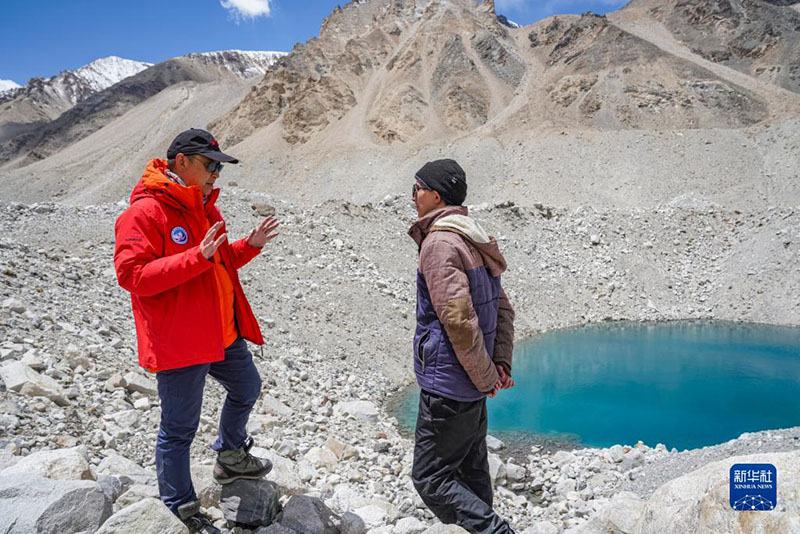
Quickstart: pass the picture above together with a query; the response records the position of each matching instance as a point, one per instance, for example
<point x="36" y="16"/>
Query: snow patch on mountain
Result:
<point x="244" y="63"/>
<point x="105" y="72"/>
<point x="7" y="85"/>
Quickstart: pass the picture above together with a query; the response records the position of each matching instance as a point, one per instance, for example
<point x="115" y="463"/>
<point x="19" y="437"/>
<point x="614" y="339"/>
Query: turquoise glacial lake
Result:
<point x="684" y="384"/>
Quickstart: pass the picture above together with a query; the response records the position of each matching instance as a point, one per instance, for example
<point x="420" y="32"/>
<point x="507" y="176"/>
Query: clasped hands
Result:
<point x="504" y="381"/>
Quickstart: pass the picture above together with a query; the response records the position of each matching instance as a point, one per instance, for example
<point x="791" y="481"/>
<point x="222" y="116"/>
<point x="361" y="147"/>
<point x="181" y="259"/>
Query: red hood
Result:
<point x="155" y="184"/>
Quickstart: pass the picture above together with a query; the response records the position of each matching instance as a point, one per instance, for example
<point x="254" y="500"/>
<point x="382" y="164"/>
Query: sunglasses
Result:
<point x="214" y="166"/>
<point x="415" y="188"/>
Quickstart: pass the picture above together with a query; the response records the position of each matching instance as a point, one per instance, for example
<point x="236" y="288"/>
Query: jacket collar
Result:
<point x="156" y="184"/>
<point x="420" y="229"/>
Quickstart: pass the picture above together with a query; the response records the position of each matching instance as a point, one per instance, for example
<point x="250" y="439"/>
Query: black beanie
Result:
<point x="446" y="177"/>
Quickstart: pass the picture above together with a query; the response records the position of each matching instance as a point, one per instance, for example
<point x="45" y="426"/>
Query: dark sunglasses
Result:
<point x="214" y="166"/>
<point x="415" y="188"/>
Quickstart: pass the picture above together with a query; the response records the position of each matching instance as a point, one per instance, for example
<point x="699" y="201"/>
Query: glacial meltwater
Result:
<point x="684" y="384"/>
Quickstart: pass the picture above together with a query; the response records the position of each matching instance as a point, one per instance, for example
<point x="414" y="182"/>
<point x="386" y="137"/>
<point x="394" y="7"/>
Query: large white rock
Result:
<point x="134" y="494"/>
<point x="272" y="406"/>
<point x="373" y="516"/>
<point x="29" y="503"/>
<point x="698" y="503"/>
<point x="494" y="444"/>
<point x="541" y="527"/>
<point x="497" y="469"/>
<point x="147" y="515"/>
<point x="126" y="470"/>
<point x="360" y="409"/>
<point x="136" y="382"/>
<point x="322" y="457"/>
<point x="22" y="379"/>
<point x="562" y="458"/>
<point x="409" y="525"/>
<point x="284" y="472"/>
<point x="515" y="472"/>
<point x="59" y="464"/>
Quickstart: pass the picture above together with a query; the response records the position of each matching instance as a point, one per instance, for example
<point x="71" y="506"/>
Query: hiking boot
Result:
<point x="195" y="520"/>
<point x="239" y="463"/>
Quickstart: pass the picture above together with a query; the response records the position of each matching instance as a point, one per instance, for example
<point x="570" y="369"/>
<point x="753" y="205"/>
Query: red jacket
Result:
<point x="173" y="288"/>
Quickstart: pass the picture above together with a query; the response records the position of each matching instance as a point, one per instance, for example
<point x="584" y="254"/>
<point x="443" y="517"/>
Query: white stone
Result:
<point x="494" y="444"/>
<point x="497" y="469"/>
<point x="20" y="378"/>
<point x="322" y="457"/>
<point x="59" y="464"/>
<point x="541" y="527"/>
<point x="514" y="472"/>
<point x="147" y="515"/>
<point x="141" y="384"/>
<point x="360" y="409"/>
<point x="409" y="525"/>
<point x="562" y="458"/>
<point x="373" y="516"/>
<point x="119" y="466"/>
<point x="272" y="406"/>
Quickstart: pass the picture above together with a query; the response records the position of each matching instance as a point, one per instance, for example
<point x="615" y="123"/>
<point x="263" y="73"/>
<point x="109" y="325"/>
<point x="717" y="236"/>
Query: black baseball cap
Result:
<point x="196" y="141"/>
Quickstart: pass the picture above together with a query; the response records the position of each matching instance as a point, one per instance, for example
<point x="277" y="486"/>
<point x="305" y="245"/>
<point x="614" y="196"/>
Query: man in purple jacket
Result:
<point x="462" y="350"/>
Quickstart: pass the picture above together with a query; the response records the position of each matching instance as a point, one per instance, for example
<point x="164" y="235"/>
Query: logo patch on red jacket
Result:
<point x="179" y="235"/>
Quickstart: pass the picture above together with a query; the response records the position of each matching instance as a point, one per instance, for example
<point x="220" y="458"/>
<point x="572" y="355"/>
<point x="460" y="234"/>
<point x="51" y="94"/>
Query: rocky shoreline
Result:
<point x="71" y="384"/>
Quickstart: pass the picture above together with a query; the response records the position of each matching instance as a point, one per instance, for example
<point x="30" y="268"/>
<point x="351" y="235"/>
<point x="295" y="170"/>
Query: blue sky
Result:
<point x="44" y="37"/>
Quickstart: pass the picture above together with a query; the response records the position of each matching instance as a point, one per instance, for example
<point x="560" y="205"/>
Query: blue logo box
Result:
<point x="754" y="487"/>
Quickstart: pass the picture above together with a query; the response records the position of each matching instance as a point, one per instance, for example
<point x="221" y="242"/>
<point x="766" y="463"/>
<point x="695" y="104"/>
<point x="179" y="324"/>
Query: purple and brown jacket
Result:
<point x="465" y="322"/>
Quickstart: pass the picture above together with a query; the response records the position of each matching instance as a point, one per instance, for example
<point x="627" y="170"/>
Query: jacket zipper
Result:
<point x="421" y="349"/>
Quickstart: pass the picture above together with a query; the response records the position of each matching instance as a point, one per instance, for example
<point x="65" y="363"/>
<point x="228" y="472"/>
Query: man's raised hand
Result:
<point x="209" y="245"/>
<point x="263" y="233"/>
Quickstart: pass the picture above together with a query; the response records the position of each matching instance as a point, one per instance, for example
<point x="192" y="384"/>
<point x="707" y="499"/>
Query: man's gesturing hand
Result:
<point x="263" y="233"/>
<point x="209" y="245"/>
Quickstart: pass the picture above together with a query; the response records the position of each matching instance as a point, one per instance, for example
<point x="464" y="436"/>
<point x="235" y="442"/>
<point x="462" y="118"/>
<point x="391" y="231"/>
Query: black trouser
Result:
<point x="451" y="464"/>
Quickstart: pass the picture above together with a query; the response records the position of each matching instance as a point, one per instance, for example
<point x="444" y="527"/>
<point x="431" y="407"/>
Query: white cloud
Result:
<point x="248" y="9"/>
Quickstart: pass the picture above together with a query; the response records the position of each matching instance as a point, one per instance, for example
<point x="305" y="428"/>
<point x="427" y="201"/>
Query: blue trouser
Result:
<point x="181" y="392"/>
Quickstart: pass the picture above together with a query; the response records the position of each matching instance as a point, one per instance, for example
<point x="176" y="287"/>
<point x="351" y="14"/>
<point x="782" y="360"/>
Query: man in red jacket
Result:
<point x="192" y="317"/>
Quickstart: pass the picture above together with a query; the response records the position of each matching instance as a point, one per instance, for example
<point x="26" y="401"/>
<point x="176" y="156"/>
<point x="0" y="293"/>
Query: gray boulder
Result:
<point x="352" y="524"/>
<point x="30" y="503"/>
<point x="112" y="486"/>
<point x="250" y="502"/>
<point x="309" y="515"/>
<point x="147" y="515"/>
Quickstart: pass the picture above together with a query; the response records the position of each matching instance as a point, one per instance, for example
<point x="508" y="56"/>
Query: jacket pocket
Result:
<point x="421" y="349"/>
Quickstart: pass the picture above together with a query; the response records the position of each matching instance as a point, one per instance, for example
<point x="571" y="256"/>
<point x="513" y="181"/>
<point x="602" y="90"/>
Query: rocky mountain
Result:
<point x="100" y="108"/>
<point x="45" y="99"/>
<point x="758" y="37"/>
<point x="352" y="113"/>
<point x="426" y="70"/>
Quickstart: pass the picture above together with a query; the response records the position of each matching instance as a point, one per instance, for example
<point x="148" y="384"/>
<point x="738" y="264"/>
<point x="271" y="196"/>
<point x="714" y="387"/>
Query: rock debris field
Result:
<point x="335" y="297"/>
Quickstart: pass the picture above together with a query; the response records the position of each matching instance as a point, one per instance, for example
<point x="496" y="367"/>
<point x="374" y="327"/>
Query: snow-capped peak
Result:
<point x="505" y="21"/>
<point x="245" y="63"/>
<point x="105" y="72"/>
<point x="7" y="85"/>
